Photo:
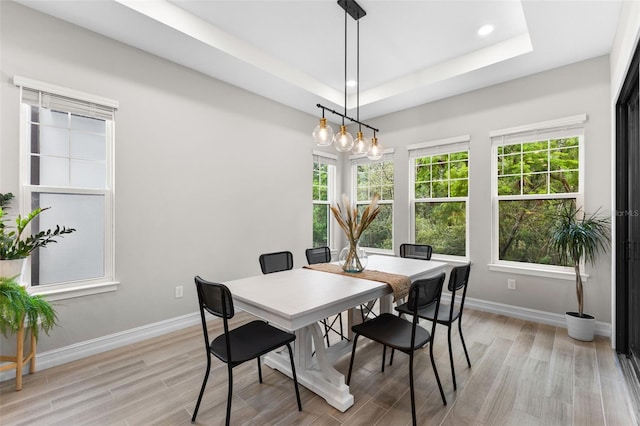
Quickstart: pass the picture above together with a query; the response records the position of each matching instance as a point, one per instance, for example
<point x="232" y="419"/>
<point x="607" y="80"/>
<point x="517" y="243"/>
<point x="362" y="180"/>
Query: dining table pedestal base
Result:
<point x="314" y="361"/>
<point x="315" y="371"/>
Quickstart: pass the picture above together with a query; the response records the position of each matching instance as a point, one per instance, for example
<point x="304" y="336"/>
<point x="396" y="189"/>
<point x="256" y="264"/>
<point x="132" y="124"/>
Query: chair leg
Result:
<point x="326" y="331"/>
<point x="229" y="394"/>
<point x="463" y="344"/>
<point x="259" y="370"/>
<point x="204" y="385"/>
<point x="384" y="354"/>
<point x="353" y="355"/>
<point x="435" y="371"/>
<point x="295" y="378"/>
<point x="453" y="369"/>
<point x="413" y="398"/>
<point x="392" y="349"/>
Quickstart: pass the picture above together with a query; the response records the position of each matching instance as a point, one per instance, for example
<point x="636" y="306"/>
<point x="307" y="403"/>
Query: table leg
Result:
<point x="316" y="373"/>
<point x="314" y="361"/>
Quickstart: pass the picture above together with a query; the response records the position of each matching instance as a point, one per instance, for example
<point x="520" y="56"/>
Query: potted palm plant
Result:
<point x="578" y="238"/>
<point x="15" y="244"/>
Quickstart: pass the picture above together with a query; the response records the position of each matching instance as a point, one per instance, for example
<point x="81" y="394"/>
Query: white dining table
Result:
<point x="297" y="299"/>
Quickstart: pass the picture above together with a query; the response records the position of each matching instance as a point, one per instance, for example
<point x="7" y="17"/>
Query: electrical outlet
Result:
<point x="178" y="291"/>
<point x="511" y="284"/>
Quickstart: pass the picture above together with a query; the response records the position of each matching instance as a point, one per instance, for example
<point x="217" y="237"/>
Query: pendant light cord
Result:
<point x="345" y="65"/>
<point x="358" y="74"/>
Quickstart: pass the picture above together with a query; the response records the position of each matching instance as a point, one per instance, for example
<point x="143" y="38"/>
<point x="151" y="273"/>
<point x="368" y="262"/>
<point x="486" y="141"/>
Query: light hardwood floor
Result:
<point x="522" y="373"/>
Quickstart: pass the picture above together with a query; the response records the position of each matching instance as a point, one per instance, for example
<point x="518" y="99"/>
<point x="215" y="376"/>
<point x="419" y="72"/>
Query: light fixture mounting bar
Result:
<point x="324" y="108"/>
<point x="352" y="8"/>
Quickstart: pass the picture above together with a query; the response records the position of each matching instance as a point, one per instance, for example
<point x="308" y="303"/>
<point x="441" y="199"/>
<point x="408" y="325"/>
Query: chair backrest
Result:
<point x="458" y="280"/>
<point x="214" y="298"/>
<point x="459" y="277"/>
<point x="422" y="293"/>
<point x="318" y="255"/>
<point x="276" y="262"/>
<point x="416" y="251"/>
<point x="425" y="291"/>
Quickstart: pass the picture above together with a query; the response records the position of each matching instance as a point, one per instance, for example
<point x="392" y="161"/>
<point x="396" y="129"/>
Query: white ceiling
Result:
<point x="411" y="52"/>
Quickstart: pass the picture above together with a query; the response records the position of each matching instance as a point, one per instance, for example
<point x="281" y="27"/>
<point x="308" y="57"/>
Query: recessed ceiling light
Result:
<point x="352" y="83"/>
<point x="485" y="30"/>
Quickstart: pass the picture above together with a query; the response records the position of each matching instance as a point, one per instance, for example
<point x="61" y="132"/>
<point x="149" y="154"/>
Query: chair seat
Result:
<point x="392" y="331"/>
<point x="250" y="341"/>
<point x="428" y="312"/>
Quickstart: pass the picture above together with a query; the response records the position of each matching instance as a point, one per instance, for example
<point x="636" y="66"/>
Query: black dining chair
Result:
<point x="276" y="262"/>
<point x="403" y="335"/>
<point x="323" y="255"/>
<point x="234" y="347"/>
<point x="448" y="313"/>
<point x="416" y="251"/>
<point x="318" y="255"/>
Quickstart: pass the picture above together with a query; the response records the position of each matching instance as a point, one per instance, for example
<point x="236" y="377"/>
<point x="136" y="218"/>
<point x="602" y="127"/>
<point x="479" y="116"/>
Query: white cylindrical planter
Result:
<point x="12" y="268"/>
<point x="580" y="328"/>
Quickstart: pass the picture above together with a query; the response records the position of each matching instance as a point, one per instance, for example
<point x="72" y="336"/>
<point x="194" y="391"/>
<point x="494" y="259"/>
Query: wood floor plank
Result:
<point x="522" y="373"/>
<point x="474" y="395"/>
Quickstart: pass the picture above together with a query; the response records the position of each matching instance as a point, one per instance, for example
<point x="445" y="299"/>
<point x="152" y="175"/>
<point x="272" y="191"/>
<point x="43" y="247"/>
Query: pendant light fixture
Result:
<point x="360" y="146"/>
<point x="343" y="140"/>
<point x="323" y="134"/>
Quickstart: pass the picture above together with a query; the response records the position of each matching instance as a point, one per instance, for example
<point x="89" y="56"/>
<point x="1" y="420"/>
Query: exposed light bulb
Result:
<point x="323" y="134"/>
<point x="375" y="150"/>
<point x="343" y="140"/>
<point x="360" y="146"/>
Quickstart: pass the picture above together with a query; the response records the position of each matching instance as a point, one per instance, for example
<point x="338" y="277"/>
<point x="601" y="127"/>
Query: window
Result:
<point x="67" y="143"/>
<point x="537" y="169"/>
<point x="324" y="171"/>
<point x="439" y="176"/>
<point x="370" y="178"/>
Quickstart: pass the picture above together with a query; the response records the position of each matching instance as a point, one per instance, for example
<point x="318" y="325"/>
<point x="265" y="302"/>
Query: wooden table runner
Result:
<point x="399" y="283"/>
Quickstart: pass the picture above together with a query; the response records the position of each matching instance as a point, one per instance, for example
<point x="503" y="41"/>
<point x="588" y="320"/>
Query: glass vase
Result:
<point x="353" y="258"/>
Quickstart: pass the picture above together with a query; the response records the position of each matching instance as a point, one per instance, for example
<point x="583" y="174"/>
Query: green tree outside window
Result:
<point x="372" y="178"/>
<point x="441" y="189"/>
<point x="536" y="180"/>
<point x="321" y="217"/>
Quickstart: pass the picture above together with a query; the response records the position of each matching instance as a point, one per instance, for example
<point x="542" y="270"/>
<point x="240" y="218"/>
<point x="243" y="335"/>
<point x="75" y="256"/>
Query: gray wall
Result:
<point x="208" y="176"/>
<point x="571" y="90"/>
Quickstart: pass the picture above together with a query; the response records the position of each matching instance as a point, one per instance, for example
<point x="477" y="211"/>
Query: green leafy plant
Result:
<point x="578" y="236"/>
<point x="14" y="244"/>
<point x="16" y="305"/>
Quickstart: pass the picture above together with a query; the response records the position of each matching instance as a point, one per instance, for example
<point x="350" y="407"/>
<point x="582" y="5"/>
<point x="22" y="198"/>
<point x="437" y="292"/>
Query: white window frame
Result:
<point x="332" y="161"/>
<point x="552" y="129"/>
<point x="356" y="160"/>
<point x="430" y="148"/>
<point x="71" y="289"/>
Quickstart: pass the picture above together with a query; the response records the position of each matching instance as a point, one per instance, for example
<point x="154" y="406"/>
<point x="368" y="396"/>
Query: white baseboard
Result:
<point x="87" y="348"/>
<point x="113" y="341"/>
<point x="543" y="317"/>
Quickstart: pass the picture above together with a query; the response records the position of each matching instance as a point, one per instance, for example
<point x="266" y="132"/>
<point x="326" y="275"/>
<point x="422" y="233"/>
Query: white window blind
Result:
<point x="325" y="158"/>
<point x="362" y="159"/>
<point x="554" y="129"/>
<point x="441" y="146"/>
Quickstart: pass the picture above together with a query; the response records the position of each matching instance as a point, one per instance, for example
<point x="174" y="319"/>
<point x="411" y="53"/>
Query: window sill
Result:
<point x="55" y="292"/>
<point x="555" y="272"/>
<point x="451" y="260"/>
<point x="378" y="251"/>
